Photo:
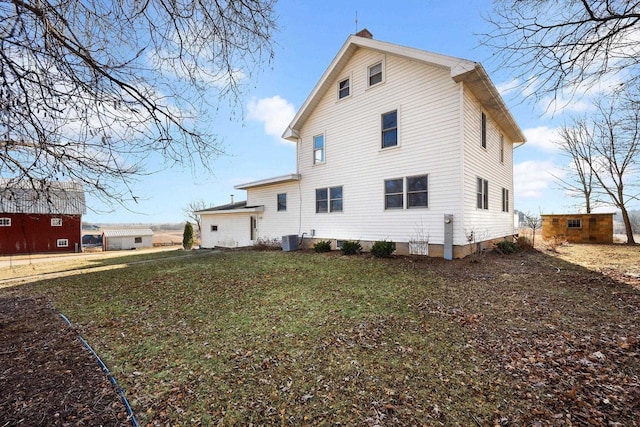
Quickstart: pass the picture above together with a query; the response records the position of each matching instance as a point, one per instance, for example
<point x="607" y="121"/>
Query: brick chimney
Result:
<point x="364" y="33"/>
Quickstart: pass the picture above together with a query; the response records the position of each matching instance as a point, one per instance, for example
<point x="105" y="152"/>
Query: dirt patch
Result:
<point x="48" y="377"/>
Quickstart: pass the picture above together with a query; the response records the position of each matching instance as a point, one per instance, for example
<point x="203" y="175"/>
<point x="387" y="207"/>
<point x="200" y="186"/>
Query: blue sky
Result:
<point x="309" y="37"/>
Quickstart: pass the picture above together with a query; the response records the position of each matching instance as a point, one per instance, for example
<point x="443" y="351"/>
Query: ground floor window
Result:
<point x="137" y="239"/>
<point x="482" y="194"/>
<point x="63" y="243"/>
<point x="329" y="199"/>
<point x="574" y="223"/>
<point x="417" y="192"/>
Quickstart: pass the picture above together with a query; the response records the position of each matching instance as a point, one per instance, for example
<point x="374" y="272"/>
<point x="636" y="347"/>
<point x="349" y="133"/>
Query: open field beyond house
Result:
<point x="268" y="338"/>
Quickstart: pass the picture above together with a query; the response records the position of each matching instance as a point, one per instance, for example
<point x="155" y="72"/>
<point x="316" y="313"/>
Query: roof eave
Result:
<point x="483" y="89"/>
<point x="268" y="181"/>
<point x="250" y="209"/>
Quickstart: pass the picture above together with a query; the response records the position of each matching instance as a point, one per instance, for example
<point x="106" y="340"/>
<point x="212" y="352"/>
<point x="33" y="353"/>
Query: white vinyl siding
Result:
<point x="272" y="224"/>
<point x="427" y="101"/>
<point x="485" y="163"/>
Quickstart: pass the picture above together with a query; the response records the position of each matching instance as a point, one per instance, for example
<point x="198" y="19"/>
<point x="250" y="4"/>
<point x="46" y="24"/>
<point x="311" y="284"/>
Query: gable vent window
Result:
<point x="343" y="89"/>
<point x="375" y="74"/>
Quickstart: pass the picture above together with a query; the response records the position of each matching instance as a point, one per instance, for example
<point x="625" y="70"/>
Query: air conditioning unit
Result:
<point x="290" y="242"/>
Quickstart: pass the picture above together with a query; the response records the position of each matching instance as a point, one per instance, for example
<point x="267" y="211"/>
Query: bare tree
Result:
<point x="566" y="45"/>
<point x="190" y="212"/>
<point x="90" y="89"/>
<point x="609" y="143"/>
<point x="579" y="182"/>
<point x="533" y="222"/>
<point x="616" y="145"/>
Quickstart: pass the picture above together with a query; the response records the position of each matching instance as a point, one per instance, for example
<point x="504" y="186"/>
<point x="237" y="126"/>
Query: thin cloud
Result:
<point x="543" y="138"/>
<point x="275" y="113"/>
<point x="532" y="178"/>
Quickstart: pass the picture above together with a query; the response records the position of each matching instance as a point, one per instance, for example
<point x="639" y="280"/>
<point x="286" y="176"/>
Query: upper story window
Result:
<point x="344" y="88"/>
<point x="482" y="194"/>
<point x="282" y="202"/>
<point x="501" y="148"/>
<point x="394" y="193"/>
<point x="417" y="191"/>
<point x="505" y="200"/>
<point x="390" y="129"/>
<point x="484" y="130"/>
<point x="375" y="74"/>
<point x="5" y="222"/>
<point x="56" y="222"/>
<point x="318" y="149"/>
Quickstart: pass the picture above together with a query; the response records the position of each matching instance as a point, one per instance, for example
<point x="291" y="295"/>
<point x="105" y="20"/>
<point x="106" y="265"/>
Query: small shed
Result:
<point x="578" y="228"/>
<point x="127" y="238"/>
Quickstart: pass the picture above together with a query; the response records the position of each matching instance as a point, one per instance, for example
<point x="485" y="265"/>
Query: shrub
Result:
<point x="322" y="246"/>
<point x="506" y="247"/>
<point x="267" y="244"/>
<point x="187" y="236"/>
<point x="383" y="249"/>
<point x="524" y="243"/>
<point x="351" y="247"/>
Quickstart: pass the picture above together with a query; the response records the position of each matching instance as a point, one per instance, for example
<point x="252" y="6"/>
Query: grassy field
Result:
<point x="301" y="338"/>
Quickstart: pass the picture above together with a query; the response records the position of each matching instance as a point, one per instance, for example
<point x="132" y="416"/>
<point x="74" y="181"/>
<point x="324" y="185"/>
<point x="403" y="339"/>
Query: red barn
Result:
<point x="36" y="219"/>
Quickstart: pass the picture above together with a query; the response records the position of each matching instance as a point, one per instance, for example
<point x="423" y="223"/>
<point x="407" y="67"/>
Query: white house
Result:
<point x="392" y="143"/>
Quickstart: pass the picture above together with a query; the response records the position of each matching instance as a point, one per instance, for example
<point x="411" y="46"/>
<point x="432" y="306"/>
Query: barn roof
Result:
<point x="65" y="198"/>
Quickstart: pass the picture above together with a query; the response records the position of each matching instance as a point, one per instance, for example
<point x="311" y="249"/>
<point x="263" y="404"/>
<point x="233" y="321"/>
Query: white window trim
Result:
<point x="5" y="222"/>
<point x="340" y="80"/>
<point x="324" y="149"/>
<point x="398" y="127"/>
<point x="62" y="243"/>
<point x="56" y="222"/>
<point x="382" y="61"/>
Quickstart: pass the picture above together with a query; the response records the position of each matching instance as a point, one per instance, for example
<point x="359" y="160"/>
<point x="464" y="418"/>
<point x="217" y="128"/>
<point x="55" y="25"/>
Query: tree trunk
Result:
<point x="627" y="226"/>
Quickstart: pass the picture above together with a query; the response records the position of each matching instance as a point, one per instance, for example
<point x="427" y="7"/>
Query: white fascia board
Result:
<point x="232" y="211"/>
<point x="268" y="181"/>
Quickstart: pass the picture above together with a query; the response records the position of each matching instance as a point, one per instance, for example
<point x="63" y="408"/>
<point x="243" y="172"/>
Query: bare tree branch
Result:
<point x="562" y="47"/>
<point x="89" y="90"/>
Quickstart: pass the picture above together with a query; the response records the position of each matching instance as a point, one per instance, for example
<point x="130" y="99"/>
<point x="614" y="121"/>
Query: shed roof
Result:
<point x="238" y="207"/>
<point x="471" y="73"/>
<point x="18" y="196"/>
<point x="127" y="232"/>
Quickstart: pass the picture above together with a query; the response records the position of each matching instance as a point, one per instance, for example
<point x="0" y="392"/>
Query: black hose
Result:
<point x="104" y="368"/>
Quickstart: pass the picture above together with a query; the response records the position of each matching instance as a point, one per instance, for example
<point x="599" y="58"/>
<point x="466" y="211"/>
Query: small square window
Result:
<point x="214" y="228"/>
<point x="137" y="239"/>
<point x="574" y="223"/>
<point x="318" y="149"/>
<point x="56" y="222"/>
<point x="343" y="89"/>
<point x="390" y="129"/>
<point x="63" y="243"/>
<point x="375" y="74"/>
<point x="282" y="202"/>
<point x="5" y="222"/>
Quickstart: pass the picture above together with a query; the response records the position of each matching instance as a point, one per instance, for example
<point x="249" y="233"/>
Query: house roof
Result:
<point x="127" y="232"/>
<point x="238" y="207"/>
<point x="469" y="72"/>
<point x="269" y="181"/>
<point x="64" y="198"/>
